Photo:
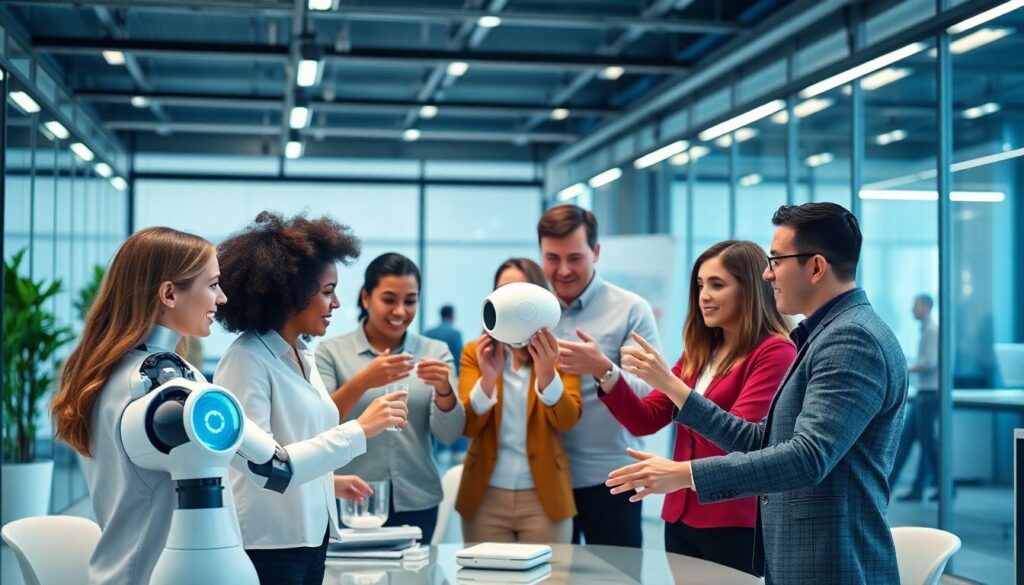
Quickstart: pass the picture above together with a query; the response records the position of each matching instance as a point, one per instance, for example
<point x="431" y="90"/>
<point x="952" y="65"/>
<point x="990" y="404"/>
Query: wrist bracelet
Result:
<point x="444" y="395"/>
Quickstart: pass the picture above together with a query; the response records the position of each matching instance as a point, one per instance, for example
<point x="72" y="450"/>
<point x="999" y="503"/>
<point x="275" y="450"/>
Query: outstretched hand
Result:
<point x="652" y="475"/>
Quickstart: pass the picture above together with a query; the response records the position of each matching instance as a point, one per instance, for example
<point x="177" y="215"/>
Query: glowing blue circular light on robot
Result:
<point x="216" y="421"/>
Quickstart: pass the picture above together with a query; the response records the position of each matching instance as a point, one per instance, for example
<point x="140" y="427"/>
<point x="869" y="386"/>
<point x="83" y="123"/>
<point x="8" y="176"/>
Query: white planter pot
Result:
<point x="26" y="489"/>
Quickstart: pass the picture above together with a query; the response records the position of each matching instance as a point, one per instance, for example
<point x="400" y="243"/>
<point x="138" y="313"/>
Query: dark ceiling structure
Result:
<point x="498" y="79"/>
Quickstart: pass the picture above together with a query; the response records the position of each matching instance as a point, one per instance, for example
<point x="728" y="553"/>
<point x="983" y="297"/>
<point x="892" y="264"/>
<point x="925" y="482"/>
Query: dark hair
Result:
<point x="389" y="264"/>
<point x="826" y="229"/>
<point x="926" y="299"/>
<point x="272" y="268"/>
<point x="447" y="312"/>
<point x="529" y="268"/>
<point x="562" y="220"/>
<point x="760" y="317"/>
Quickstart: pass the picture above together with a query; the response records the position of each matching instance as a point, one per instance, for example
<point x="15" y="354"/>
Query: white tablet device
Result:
<point x="493" y="555"/>
<point x="469" y="576"/>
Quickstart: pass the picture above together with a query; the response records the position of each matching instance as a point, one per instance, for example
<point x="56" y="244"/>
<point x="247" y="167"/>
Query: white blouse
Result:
<point x="293" y="405"/>
<point x="512" y="469"/>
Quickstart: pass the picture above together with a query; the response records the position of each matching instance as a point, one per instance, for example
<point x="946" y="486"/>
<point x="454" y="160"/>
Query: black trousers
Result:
<point x="603" y="518"/>
<point x="729" y="546"/>
<point x="303" y="565"/>
<point x="425" y="519"/>
<point x="919" y="427"/>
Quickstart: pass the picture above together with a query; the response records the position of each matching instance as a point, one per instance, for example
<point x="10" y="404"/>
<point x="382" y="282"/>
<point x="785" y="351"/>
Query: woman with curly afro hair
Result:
<point x="282" y="275"/>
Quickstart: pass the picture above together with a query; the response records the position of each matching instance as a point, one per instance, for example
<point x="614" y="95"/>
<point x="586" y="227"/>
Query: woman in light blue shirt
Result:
<point x="382" y="351"/>
<point x="282" y="277"/>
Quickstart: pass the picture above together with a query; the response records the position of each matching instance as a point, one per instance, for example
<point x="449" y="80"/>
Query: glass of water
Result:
<point x="369" y="511"/>
<point x="395" y="388"/>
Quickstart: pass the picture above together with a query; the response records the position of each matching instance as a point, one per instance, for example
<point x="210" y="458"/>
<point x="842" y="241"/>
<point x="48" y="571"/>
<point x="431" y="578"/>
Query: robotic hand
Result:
<point x="193" y="430"/>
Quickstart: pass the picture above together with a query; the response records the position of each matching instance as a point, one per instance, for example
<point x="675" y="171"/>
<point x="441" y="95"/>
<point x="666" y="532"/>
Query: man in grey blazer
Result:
<point x="821" y="459"/>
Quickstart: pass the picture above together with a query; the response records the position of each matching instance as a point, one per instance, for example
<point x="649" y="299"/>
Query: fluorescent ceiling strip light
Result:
<point x="24" y="102"/>
<point x="321" y="4"/>
<point x="742" y="135"/>
<point x="982" y="110"/>
<point x="82" y="151"/>
<point x="293" y="149"/>
<point x="103" y="170"/>
<point x="119" y="183"/>
<point x="299" y="117"/>
<point x="890" y="137"/>
<point x="57" y="129"/>
<point x="742" y="120"/>
<point x="601" y="179"/>
<point x="977" y="39"/>
<point x="457" y="68"/>
<point x="691" y="155"/>
<point x="883" y="78"/>
<point x="955" y="167"/>
<point x="817" y="160"/>
<point x="309" y="70"/>
<point x="571" y="192"/>
<point x="612" y="72"/>
<point x="559" y="114"/>
<point x="861" y="70"/>
<point x="139" y="101"/>
<point x="428" y="111"/>
<point x="489" y="21"/>
<point x="803" y="109"/>
<point x="113" y="57"/>
<point x="751" y="180"/>
<point x="411" y="135"/>
<point x="978" y="19"/>
<point x="655" y="157"/>
<point x="925" y="195"/>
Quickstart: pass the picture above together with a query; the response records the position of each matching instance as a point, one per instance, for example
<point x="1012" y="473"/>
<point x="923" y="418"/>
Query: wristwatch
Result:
<point x="607" y="375"/>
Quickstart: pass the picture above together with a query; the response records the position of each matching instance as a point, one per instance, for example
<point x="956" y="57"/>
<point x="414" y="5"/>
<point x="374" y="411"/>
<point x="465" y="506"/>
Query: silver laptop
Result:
<point x="1010" y="359"/>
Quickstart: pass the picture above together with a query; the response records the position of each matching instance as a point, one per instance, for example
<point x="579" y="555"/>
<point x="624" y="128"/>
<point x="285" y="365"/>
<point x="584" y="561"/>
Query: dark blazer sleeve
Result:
<point x="845" y="390"/>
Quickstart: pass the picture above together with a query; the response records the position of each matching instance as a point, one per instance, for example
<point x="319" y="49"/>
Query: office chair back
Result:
<point x="53" y="550"/>
<point x="922" y="553"/>
<point x="449" y="488"/>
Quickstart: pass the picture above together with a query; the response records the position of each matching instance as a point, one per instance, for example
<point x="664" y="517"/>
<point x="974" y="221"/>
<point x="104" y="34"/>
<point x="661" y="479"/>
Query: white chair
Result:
<point x="450" y="488"/>
<point x="53" y="550"/>
<point x="922" y="553"/>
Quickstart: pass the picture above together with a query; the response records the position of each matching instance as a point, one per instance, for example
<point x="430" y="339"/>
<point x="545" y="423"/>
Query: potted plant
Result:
<point x="87" y="294"/>
<point x="31" y="339"/>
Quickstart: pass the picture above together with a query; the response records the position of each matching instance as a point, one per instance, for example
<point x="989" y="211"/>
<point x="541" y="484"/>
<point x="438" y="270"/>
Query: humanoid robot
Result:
<point x="193" y="430"/>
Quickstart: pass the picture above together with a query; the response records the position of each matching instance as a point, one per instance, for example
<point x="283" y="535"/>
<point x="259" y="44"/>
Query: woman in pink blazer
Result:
<point x="736" y="354"/>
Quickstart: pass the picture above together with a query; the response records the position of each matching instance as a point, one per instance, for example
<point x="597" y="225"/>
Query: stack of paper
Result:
<point x="390" y="546"/>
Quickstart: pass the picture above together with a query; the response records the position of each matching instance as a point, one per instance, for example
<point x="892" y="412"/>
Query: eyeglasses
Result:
<point x="773" y="261"/>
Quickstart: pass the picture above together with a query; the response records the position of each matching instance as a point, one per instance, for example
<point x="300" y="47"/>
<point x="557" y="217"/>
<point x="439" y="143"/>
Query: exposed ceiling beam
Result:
<point x="131" y="63"/>
<point x="782" y="26"/>
<point x="418" y="15"/>
<point x="335" y="132"/>
<point x="614" y="47"/>
<point x="468" y="35"/>
<point x="491" y="60"/>
<point x="273" y="102"/>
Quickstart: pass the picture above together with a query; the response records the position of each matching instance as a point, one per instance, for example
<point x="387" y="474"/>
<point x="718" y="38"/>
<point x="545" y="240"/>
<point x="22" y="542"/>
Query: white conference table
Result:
<point x="570" y="564"/>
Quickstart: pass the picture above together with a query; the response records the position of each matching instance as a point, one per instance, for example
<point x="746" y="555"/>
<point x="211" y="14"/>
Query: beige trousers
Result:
<point x="514" y="516"/>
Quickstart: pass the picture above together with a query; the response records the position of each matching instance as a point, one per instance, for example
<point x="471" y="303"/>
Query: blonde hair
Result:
<point x="126" y="309"/>
<point x="760" y="317"/>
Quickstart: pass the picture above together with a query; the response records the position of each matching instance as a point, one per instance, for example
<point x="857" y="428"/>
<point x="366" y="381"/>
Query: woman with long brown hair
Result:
<point x="162" y="284"/>
<point x="736" y="352"/>
<point x="517" y="404"/>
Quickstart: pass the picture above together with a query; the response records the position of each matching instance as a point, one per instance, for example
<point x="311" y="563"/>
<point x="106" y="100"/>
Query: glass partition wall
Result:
<point x="874" y="143"/>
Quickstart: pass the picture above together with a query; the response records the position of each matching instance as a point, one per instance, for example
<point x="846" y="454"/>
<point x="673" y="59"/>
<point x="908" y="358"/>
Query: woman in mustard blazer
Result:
<point x="516" y="485"/>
